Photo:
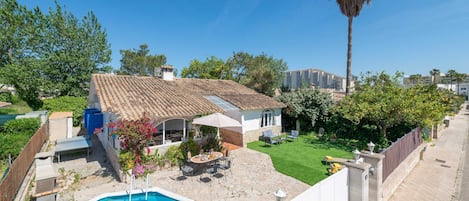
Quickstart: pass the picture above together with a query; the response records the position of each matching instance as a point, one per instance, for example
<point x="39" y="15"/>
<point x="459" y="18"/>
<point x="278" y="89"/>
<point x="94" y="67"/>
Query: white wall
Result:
<point x="333" y="188"/>
<point x="236" y="115"/>
<point x="251" y="120"/>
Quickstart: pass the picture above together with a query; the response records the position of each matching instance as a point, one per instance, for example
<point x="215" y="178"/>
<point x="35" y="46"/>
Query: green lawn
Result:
<point x="301" y="159"/>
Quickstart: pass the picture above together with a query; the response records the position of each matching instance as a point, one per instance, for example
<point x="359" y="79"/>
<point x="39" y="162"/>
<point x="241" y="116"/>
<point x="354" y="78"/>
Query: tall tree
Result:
<point x="21" y="35"/>
<point x="351" y="9"/>
<point x="310" y="105"/>
<point x="435" y="73"/>
<point x="74" y="50"/>
<point x="381" y="102"/>
<point x="49" y="54"/>
<point x="264" y="74"/>
<point x="140" y="61"/>
<point x="459" y="77"/>
<point x="211" y="68"/>
<point x="451" y="73"/>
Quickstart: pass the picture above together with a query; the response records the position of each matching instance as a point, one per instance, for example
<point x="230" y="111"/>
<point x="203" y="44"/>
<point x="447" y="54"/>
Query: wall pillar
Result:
<point x="376" y="175"/>
<point x="358" y="180"/>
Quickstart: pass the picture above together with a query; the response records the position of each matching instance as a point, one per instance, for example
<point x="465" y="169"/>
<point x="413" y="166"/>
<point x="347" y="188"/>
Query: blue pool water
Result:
<point x="152" y="196"/>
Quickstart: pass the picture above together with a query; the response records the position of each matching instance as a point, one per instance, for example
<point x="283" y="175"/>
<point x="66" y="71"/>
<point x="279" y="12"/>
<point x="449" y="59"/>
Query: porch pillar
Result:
<point x="164" y="132"/>
<point x="358" y="180"/>
<point x="183" y="129"/>
<point x="376" y="176"/>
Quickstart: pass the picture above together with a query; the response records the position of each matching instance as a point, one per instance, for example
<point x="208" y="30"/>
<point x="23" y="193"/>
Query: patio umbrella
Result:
<point x="217" y="120"/>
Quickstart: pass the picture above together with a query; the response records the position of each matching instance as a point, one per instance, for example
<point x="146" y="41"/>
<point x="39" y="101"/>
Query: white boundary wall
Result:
<point x="333" y="188"/>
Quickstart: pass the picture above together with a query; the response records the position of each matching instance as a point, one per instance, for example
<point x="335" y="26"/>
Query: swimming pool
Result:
<point x="154" y="194"/>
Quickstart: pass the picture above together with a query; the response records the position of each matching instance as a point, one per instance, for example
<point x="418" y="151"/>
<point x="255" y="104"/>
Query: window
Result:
<point x="463" y="89"/>
<point x="267" y="118"/>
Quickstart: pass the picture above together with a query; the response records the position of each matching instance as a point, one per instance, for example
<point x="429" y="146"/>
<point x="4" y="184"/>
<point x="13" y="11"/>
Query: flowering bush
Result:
<point x="134" y="136"/>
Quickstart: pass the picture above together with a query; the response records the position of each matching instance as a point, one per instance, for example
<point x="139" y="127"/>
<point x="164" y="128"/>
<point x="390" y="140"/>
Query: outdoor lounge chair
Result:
<point x="294" y="134"/>
<point x="269" y="137"/>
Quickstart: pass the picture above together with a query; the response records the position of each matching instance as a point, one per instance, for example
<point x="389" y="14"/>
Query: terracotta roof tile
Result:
<point x="131" y="96"/>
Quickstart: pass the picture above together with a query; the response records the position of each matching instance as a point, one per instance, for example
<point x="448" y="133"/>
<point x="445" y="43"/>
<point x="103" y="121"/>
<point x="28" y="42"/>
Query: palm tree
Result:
<point x="351" y="9"/>
<point x="459" y="77"/>
<point x="435" y="73"/>
<point x="451" y="73"/>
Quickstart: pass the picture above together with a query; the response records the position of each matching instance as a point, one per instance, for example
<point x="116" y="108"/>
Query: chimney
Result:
<point x="165" y="72"/>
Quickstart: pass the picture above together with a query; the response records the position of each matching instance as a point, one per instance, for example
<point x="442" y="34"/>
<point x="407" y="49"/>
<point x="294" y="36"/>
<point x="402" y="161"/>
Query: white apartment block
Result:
<point x="313" y="77"/>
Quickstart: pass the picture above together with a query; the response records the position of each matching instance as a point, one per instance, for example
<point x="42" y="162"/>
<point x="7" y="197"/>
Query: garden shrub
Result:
<point x="12" y="145"/>
<point x="8" y="97"/>
<point x="26" y="126"/>
<point x="213" y="143"/>
<point x="67" y="103"/>
<point x="173" y="154"/>
<point x="191" y="146"/>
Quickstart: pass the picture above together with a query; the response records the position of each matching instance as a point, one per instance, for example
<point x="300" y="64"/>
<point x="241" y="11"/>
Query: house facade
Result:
<point x="172" y="103"/>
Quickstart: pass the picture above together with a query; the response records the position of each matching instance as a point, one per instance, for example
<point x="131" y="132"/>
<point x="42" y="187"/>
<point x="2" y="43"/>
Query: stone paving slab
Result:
<point x="434" y="178"/>
<point x="252" y="177"/>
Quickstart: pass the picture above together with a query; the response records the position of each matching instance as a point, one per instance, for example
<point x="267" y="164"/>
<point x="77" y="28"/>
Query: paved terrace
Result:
<point x="253" y="177"/>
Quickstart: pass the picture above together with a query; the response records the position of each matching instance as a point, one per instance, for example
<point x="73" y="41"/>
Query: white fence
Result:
<point x="333" y="188"/>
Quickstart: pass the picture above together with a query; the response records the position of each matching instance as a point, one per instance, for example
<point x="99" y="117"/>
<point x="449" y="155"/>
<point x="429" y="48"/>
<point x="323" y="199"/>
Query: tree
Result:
<point x="459" y="77"/>
<point x="140" y="62"/>
<point x="50" y="54"/>
<point x="435" y="73"/>
<point x="381" y="102"/>
<point x="238" y="64"/>
<point x="211" y="68"/>
<point x="351" y="9"/>
<point x="21" y="33"/>
<point x="307" y="104"/>
<point x="451" y="73"/>
<point x="262" y="73"/>
<point x="73" y="50"/>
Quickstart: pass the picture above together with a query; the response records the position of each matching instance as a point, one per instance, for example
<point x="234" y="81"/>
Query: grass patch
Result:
<point x="302" y="158"/>
<point x="18" y="108"/>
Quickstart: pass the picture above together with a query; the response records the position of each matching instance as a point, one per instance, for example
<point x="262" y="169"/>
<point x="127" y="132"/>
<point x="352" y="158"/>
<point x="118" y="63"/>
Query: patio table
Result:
<point x="205" y="158"/>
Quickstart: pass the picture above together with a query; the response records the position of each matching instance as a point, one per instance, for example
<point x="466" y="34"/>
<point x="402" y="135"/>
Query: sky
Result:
<point x="399" y="35"/>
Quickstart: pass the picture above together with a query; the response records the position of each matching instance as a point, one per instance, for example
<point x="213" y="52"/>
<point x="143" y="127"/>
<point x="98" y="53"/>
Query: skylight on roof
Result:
<point x="226" y="106"/>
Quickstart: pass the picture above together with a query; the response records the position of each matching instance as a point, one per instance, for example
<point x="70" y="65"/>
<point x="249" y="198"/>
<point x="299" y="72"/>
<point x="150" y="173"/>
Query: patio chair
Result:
<point x="294" y="134"/>
<point x="226" y="166"/>
<point x="269" y="137"/>
<point x="185" y="169"/>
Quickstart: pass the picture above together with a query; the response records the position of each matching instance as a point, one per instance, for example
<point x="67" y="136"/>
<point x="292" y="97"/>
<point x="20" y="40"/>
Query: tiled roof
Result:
<point x="131" y="96"/>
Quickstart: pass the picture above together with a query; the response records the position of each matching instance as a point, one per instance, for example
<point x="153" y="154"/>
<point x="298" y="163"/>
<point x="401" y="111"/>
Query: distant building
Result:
<point x="316" y="78"/>
<point x="442" y="81"/>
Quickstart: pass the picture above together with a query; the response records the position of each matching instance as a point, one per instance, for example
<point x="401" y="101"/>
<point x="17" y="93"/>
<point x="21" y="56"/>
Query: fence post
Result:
<point x="358" y="180"/>
<point x="376" y="175"/>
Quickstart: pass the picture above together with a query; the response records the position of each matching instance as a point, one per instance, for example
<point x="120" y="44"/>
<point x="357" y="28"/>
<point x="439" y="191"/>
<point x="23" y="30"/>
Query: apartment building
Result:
<point x="313" y="77"/>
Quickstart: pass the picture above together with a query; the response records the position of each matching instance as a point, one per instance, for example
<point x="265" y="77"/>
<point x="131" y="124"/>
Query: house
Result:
<point x="173" y="102"/>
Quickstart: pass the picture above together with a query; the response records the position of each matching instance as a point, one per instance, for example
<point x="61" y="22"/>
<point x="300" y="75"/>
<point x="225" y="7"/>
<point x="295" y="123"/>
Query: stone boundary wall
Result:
<point x="393" y="181"/>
